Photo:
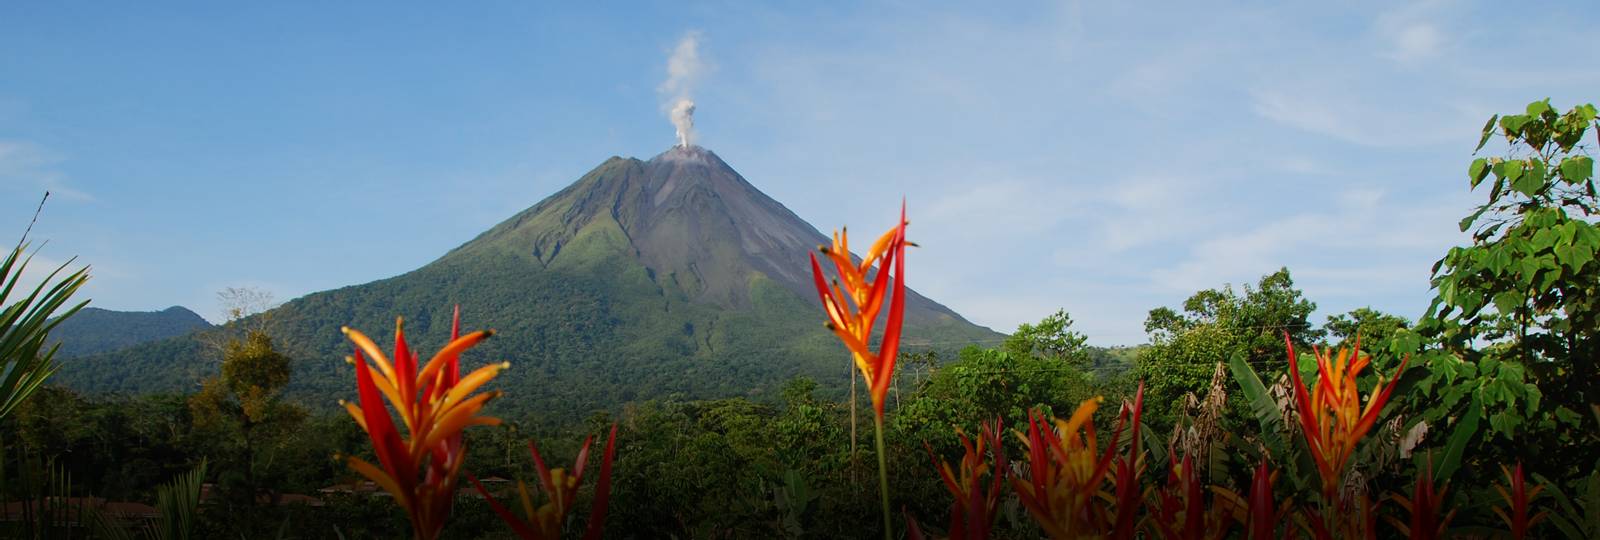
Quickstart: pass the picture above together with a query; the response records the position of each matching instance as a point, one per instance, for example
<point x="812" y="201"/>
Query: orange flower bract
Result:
<point x="1332" y="416"/>
<point x="434" y="404"/>
<point x="853" y="303"/>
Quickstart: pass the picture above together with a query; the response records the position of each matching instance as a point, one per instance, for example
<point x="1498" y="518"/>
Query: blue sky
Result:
<point x="1100" y="157"/>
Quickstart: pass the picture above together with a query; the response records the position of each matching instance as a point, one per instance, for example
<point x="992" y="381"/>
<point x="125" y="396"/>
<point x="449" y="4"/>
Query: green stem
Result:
<point x="883" y="482"/>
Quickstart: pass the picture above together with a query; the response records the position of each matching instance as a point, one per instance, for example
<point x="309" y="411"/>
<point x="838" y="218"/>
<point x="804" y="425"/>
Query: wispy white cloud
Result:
<point x="26" y="166"/>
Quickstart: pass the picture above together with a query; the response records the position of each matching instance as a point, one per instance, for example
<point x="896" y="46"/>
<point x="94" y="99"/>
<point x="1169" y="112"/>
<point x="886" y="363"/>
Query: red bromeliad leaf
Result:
<point x="913" y="531"/>
<point x="602" y="490"/>
<point x="420" y="468"/>
<point x="405" y="367"/>
<point x="1519" y="500"/>
<point x="889" y="350"/>
<point x="1263" y="509"/>
<point x="1127" y="478"/>
<point x="519" y="526"/>
<point x="386" y="443"/>
<point x="1375" y="406"/>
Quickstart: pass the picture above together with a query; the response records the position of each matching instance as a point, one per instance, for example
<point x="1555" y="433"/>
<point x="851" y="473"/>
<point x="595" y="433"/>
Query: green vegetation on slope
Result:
<point x="95" y="330"/>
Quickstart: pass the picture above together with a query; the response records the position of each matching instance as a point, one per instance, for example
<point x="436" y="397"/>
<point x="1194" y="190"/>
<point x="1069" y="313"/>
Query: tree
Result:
<point x="1515" y="312"/>
<point x="1185" y="348"/>
<point x="1051" y="338"/>
<point x="1373" y="327"/>
<point x="241" y="410"/>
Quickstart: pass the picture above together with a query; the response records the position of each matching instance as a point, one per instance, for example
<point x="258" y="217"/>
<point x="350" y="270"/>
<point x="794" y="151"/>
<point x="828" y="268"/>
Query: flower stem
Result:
<point x="883" y="482"/>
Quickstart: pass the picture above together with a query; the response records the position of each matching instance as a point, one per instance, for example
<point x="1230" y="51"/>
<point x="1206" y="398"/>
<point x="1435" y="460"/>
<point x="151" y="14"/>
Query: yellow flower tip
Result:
<point x="341" y="403"/>
<point x="350" y="360"/>
<point x="505" y="365"/>
<point x="398" y="322"/>
<point x="490" y="333"/>
<point x="344" y="330"/>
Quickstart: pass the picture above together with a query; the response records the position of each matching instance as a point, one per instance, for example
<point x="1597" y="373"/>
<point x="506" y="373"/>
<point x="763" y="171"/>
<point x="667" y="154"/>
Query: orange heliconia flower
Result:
<point x="852" y="320"/>
<point x="1331" y="415"/>
<point x="434" y="404"/>
<point x="1064" y="484"/>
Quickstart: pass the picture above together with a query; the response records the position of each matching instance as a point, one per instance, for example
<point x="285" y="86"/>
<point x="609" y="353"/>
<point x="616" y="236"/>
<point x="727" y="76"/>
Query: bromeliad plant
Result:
<point x="1064" y="486"/>
<point x="1260" y="513"/>
<point x="561" y="488"/>
<point x="434" y="404"/>
<point x="973" y="512"/>
<point x="1180" y="511"/>
<point x="1331" y="414"/>
<point x="852" y="304"/>
<point x="1424" y="508"/>
<point x="1518" y="500"/>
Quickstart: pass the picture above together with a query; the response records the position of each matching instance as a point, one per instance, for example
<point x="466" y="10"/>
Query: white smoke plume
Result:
<point x="683" y="71"/>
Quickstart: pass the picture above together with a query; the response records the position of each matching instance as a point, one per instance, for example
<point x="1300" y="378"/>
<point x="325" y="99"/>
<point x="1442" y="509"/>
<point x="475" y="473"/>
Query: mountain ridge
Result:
<point x="642" y="279"/>
<point x="94" y="330"/>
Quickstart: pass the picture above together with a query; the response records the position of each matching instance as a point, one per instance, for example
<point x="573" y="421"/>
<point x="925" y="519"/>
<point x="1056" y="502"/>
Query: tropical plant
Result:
<point x="1261" y="514"/>
<point x="1331" y="415"/>
<point x="976" y="483"/>
<point x="1423" y="508"/>
<point x="1066" y="473"/>
<point x="177" y="507"/>
<point x="1519" y="500"/>
<point x="544" y="522"/>
<point x="852" y="305"/>
<point x="1518" y="311"/>
<point x="25" y="325"/>
<point x="1179" y="510"/>
<point x="1332" y="421"/>
<point x="1577" y="515"/>
<point x="434" y="404"/>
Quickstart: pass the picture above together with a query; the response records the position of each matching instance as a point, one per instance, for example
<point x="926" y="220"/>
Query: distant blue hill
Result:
<point x="95" y="330"/>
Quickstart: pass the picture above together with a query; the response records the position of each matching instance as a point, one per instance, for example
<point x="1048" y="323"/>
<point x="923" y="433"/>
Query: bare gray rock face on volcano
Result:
<point x="693" y="220"/>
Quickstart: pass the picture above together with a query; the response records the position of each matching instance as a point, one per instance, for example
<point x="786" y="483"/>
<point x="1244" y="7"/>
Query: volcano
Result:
<point x="644" y="279"/>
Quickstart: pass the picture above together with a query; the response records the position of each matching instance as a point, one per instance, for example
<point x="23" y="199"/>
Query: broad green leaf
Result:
<point x="1576" y="169"/>
<point x="1507" y="302"/>
<point x="1462" y="434"/>
<point x="1488" y="130"/>
<point x="1543" y="239"/>
<point x="1466" y="222"/>
<point x="1261" y="403"/>
<point x="1478" y="171"/>
<point x="1538" y="108"/>
<point x="1582" y="254"/>
<point x="1512" y="126"/>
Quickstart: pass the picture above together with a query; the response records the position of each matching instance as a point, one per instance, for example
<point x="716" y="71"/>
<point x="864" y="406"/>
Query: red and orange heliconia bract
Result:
<point x="853" y="302"/>
<point x="434" y="404"/>
<point x="1331" y="415"/>
<point x="561" y="486"/>
<point x="973" y="512"/>
<point x="1180" y="511"/>
<point x="1066" y="474"/>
